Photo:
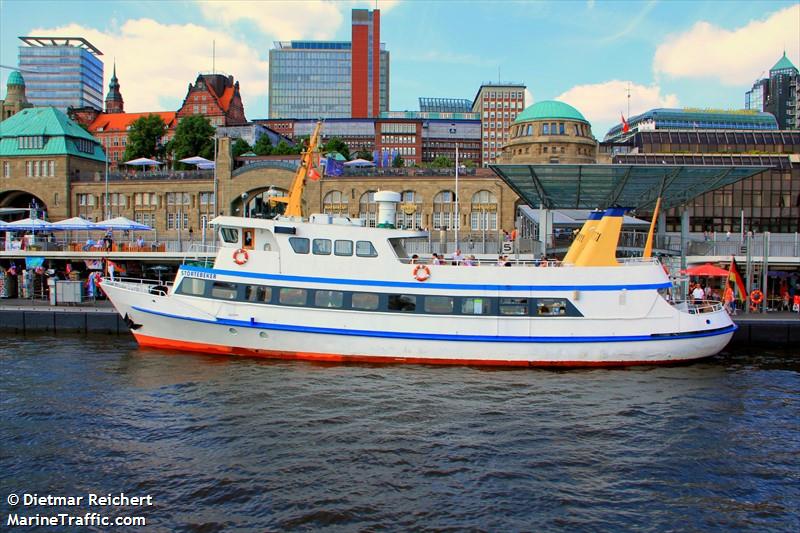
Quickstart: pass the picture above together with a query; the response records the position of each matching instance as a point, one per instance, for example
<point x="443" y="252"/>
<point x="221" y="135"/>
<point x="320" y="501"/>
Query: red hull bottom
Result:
<point x="186" y="346"/>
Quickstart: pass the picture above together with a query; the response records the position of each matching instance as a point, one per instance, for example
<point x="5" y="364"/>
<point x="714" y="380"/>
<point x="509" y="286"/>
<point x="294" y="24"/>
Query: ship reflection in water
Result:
<point x="226" y="443"/>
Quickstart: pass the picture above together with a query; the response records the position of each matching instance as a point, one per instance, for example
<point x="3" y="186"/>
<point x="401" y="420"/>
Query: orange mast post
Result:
<point x="294" y="201"/>
<point x="648" y="246"/>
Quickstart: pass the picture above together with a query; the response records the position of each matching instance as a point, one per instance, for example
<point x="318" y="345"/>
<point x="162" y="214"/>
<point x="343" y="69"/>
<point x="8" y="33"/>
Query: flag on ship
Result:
<point x="734" y="277"/>
<point x="625" y="126"/>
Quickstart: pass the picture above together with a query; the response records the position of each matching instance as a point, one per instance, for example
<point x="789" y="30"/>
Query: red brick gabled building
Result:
<point x="216" y="97"/>
<point x="111" y="129"/>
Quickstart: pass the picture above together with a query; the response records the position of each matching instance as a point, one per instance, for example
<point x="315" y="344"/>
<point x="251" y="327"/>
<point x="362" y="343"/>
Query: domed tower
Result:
<point x="114" y="102"/>
<point x="15" y="100"/>
<point x="550" y="132"/>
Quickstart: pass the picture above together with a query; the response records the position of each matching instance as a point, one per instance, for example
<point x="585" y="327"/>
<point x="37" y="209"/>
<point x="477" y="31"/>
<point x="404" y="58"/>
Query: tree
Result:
<point x="469" y="163"/>
<point x="144" y="138"/>
<point x="263" y="146"/>
<point x="337" y="145"/>
<point x="283" y="148"/>
<point x="193" y="136"/>
<point x="442" y="162"/>
<point x="398" y="161"/>
<point x="364" y="154"/>
<point x="240" y="147"/>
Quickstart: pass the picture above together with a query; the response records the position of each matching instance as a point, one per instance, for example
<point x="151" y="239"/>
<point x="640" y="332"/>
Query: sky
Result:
<point x="671" y="53"/>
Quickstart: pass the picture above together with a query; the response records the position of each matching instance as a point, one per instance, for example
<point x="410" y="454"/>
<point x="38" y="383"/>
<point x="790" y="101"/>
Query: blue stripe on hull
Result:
<point x="430" y="285"/>
<point x="441" y="336"/>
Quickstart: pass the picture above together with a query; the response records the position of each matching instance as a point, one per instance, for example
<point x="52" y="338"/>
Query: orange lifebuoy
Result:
<point x="240" y="256"/>
<point x="756" y="296"/>
<point x="421" y="272"/>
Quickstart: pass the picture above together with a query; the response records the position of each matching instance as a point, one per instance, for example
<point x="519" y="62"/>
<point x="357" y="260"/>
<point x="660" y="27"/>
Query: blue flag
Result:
<point x="386" y="158"/>
<point x="333" y="167"/>
<point x="375" y="158"/>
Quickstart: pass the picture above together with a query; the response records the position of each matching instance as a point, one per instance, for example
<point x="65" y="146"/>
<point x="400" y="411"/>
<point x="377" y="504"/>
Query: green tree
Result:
<point x="283" y="148"/>
<point x="398" y="161"/>
<point x="193" y="136"/>
<point x="263" y="146"/>
<point x="337" y="145"/>
<point x="469" y="163"/>
<point x="240" y="147"/>
<point x="364" y="154"/>
<point x="144" y="138"/>
<point x="442" y="162"/>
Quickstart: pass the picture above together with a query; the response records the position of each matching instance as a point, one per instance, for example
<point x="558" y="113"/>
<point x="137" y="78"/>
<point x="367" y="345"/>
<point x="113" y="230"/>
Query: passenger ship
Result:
<point x="329" y="289"/>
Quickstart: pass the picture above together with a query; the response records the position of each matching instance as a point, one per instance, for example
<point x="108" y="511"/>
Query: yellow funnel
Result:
<point x="582" y="237"/>
<point x="601" y="248"/>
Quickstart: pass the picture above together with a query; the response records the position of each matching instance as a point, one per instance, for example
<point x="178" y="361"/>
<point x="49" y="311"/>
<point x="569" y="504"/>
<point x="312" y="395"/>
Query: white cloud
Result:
<point x="284" y="20"/>
<point x="735" y="57"/>
<point x="528" y="98"/>
<point x="602" y="103"/>
<point x="149" y="74"/>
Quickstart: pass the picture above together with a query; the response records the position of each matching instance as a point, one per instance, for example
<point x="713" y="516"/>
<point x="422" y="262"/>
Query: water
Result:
<point x="252" y="445"/>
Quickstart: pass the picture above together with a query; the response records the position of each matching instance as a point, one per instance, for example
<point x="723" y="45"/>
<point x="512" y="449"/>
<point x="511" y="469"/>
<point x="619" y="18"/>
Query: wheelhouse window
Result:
<point x="365" y="249"/>
<point x="300" y="245"/>
<point x="192" y="287"/>
<point x="344" y="248"/>
<point x="248" y="238"/>
<point x="230" y="235"/>
<point x="322" y="247"/>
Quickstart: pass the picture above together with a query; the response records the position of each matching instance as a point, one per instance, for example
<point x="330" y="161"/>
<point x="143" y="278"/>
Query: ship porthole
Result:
<point x="263" y="335"/>
<point x="233" y="331"/>
<point x="708" y="321"/>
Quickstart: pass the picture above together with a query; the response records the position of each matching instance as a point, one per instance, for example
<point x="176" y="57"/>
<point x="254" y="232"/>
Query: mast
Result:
<point x="294" y="201"/>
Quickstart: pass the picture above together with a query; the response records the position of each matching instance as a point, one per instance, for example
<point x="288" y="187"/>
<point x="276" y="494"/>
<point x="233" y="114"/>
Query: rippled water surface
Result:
<point x="244" y="444"/>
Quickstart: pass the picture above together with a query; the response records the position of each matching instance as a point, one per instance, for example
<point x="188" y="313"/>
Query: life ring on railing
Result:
<point x="421" y="272"/>
<point x="240" y="256"/>
<point x="756" y="297"/>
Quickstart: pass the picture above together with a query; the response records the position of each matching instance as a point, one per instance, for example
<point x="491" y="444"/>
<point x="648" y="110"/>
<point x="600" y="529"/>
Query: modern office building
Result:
<point x="62" y="72"/>
<point x="331" y="79"/>
<point x="693" y="119"/>
<point x="777" y="94"/>
<point x="498" y="105"/>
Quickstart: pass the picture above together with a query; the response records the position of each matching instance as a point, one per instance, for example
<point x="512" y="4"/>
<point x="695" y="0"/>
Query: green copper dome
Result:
<point x="783" y="63"/>
<point x="15" y="78"/>
<point x="548" y="109"/>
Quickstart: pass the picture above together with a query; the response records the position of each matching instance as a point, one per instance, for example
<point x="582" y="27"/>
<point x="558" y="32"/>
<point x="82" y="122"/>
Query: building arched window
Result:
<point x="257" y="205"/>
<point x="444" y="210"/>
<point x="483" y="211"/>
<point x="335" y="203"/>
<point x="368" y="209"/>
<point x="529" y="129"/>
<point x="409" y="212"/>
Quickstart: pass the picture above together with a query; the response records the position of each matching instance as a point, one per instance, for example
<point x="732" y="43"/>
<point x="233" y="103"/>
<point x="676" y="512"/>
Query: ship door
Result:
<point x="248" y="238"/>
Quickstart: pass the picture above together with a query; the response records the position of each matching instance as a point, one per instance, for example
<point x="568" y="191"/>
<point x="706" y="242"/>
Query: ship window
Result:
<point x="551" y="307"/>
<point x="247" y="236"/>
<point x="365" y="301"/>
<point x="343" y="247"/>
<point x="322" y="247"/>
<point x="365" y="249"/>
<point x="192" y="287"/>
<point x="224" y="290"/>
<point x="230" y="234"/>
<point x="406" y="303"/>
<point x="475" y="306"/>
<point x="257" y="293"/>
<point x="329" y="299"/>
<point x="442" y="305"/>
<point x="300" y="245"/>
<point x="514" y="306"/>
<point x="293" y="296"/>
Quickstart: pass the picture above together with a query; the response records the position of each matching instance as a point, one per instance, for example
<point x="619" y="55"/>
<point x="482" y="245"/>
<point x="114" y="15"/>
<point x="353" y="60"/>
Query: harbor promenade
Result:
<point x="21" y="316"/>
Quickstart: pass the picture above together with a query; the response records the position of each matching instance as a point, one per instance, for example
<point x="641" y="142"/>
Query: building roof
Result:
<point x="76" y="42"/>
<point x="59" y="131"/>
<point x="15" y="78"/>
<point x="632" y="186"/>
<point x="783" y="63"/>
<point x="445" y="105"/>
<point x="122" y="121"/>
<point x="548" y="109"/>
<point x="698" y="119"/>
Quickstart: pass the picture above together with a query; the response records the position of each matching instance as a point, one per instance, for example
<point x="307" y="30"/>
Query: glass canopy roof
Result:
<point x="559" y="186"/>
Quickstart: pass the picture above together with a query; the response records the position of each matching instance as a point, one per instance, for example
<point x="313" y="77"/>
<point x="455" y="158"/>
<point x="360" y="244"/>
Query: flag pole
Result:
<point x="457" y="198"/>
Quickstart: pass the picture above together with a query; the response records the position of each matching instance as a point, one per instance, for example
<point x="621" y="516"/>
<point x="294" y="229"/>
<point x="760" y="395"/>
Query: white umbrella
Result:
<point x="74" y="223"/>
<point x="196" y="160"/>
<point x="359" y="163"/>
<point x="30" y="224"/>
<point x="121" y="223"/>
<point x="143" y="162"/>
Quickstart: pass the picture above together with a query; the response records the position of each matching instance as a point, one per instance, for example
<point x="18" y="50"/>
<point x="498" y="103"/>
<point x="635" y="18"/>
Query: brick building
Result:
<point x="216" y="97"/>
<point x="498" y="105"/>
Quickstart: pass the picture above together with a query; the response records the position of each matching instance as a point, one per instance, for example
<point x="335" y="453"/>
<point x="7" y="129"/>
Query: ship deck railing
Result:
<point x="694" y="307"/>
<point x="148" y="286"/>
<point x="512" y="262"/>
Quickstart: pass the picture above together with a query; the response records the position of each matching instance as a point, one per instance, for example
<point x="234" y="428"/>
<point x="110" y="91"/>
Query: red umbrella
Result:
<point x="706" y="270"/>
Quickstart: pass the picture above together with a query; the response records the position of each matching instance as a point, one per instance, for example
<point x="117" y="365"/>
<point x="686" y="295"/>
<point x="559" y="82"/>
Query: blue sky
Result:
<point x="672" y="53"/>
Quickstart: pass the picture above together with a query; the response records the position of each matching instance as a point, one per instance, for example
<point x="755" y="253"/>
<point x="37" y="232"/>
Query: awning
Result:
<point x="559" y="186"/>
